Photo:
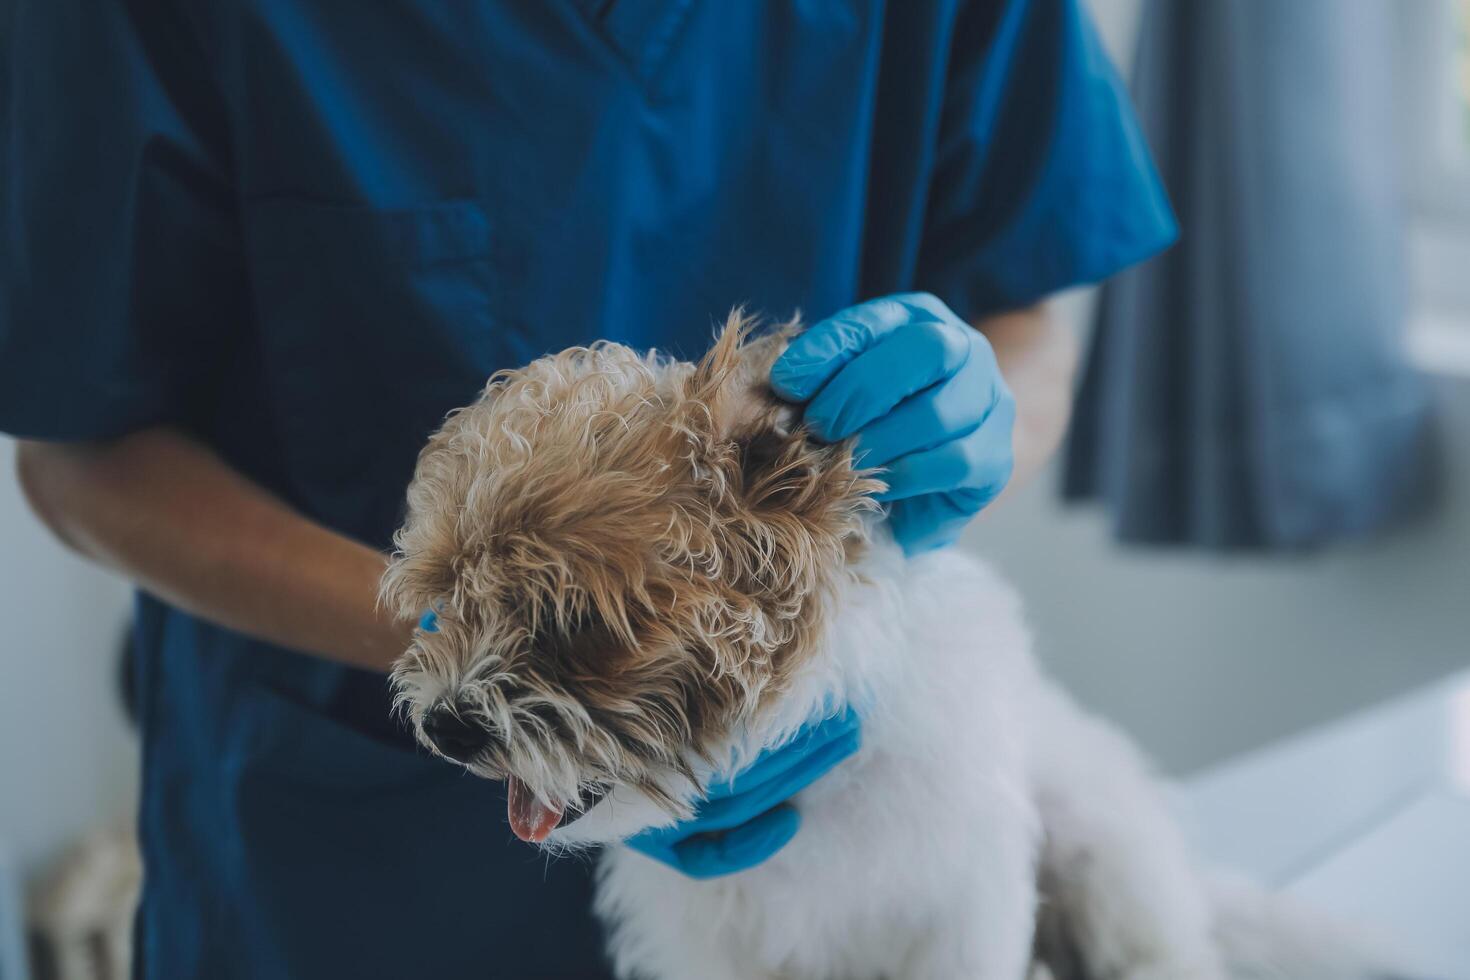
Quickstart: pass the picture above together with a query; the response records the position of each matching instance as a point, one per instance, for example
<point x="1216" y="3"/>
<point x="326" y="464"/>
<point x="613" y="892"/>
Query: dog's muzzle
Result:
<point x="460" y="739"/>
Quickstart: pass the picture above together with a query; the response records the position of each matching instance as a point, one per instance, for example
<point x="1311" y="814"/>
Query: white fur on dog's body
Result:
<point x="919" y="856"/>
<point x="872" y="884"/>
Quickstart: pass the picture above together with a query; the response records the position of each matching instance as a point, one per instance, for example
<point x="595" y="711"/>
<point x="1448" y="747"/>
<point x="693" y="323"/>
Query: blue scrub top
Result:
<point x="304" y="230"/>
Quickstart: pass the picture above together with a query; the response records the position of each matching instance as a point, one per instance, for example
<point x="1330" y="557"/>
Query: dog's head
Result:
<point x="629" y="558"/>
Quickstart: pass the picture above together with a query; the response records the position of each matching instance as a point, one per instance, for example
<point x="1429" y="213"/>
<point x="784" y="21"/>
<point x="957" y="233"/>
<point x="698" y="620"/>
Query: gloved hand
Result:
<point x="746" y="820"/>
<point x="923" y="394"/>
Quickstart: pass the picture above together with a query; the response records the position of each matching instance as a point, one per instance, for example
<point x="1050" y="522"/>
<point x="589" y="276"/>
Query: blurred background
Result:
<point x="1206" y="648"/>
<point x="1216" y="605"/>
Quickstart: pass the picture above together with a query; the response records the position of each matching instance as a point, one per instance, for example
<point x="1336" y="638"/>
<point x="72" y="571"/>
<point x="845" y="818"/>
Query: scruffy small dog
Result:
<point x="645" y="574"/>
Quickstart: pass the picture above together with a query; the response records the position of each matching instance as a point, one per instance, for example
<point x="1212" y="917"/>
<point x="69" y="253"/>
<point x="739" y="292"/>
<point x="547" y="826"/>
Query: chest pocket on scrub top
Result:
<point x="372" y="325"/>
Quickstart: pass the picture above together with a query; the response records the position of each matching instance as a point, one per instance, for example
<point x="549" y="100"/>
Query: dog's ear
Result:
<point x="722" y="364"/>
<point x="754" y="442"/>
<point x="788" y="523"/>
<point x="786" y="512"/>
<point x="731" y="384"/>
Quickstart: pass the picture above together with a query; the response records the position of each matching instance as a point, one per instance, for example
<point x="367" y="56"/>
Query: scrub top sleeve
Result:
<point x="120" y="273"/>
<point x="1042" y="178"/>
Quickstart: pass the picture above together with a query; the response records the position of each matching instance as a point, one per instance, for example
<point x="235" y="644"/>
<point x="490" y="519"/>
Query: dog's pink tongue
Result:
<point x="531" y="820"/>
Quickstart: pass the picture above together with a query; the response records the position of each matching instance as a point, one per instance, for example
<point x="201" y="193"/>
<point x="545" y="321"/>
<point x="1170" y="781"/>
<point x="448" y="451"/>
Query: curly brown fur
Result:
<point x="628" y="555"/>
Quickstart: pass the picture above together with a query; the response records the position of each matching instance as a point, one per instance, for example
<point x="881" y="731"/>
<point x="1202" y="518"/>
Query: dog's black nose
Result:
<point x="452" y="735"/>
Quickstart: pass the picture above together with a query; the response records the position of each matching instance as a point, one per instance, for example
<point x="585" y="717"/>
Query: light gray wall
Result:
<point x="66" y="755"/>
<point x="1200" y="657"/>
<point x="1117" y="22"/>
<point x="1203" y="657"/>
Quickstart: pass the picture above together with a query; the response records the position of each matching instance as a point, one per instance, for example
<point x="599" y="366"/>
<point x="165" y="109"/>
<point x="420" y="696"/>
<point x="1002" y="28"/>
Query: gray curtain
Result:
<point x="1247" y="389"/>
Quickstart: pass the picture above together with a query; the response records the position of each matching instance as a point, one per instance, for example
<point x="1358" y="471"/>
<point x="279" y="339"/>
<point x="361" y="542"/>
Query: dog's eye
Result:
<point x="583" y="646"/>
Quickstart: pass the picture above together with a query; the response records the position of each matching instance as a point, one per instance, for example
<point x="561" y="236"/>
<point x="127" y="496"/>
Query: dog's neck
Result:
<point x="860" y="657"/>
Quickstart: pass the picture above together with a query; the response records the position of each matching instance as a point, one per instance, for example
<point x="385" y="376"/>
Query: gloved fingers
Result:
<point x="775" y="762"/>
<point x="927" y="303"/>
<point x="901" y="364"/>
<point x="709" y="856"/>
<point x="732" y="811"/>
<point x="979" y="463"/>
<point x="777" y="774"/>
<point x="922" y="524"/>
<point x="811" y="359"/>
<point x="655" y="847"/>
<point x="931" y="418"/>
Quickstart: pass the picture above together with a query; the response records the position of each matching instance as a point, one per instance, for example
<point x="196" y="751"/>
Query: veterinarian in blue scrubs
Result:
<point x="253" y="251"/>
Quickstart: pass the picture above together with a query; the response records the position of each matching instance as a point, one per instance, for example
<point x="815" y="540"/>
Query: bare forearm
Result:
<point x="1037" y="354"/>
<point x="168" y="513"/>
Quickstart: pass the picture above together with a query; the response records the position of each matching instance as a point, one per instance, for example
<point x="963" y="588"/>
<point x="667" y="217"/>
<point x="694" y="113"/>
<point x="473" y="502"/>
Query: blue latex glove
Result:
<point x="746" y="820"/>
<point x="921" y="391"/>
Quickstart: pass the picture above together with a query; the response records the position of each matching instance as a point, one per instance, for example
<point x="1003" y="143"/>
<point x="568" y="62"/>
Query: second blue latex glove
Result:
<point x="747" y="819"/>
<point x="921" y="391"/>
